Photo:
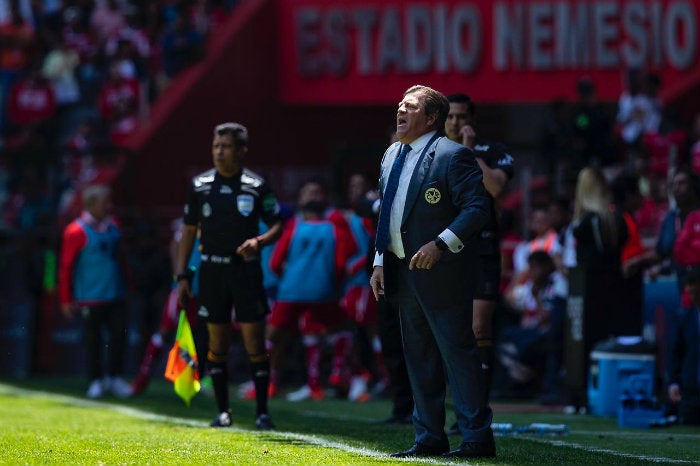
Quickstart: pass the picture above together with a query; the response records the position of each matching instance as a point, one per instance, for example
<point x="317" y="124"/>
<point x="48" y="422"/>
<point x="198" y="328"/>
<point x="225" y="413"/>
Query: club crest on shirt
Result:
<point x="245" y="204"/>
<point x="432" y="195"/>
<point x="206" y="209"/>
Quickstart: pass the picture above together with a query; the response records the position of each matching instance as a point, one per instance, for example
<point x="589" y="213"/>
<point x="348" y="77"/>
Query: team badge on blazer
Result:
<point x="245" y="204"/>
<point x="432" y="195"/>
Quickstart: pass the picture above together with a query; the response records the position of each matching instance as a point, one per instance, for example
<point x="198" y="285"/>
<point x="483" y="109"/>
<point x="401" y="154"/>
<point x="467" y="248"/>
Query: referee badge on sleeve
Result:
<point x="245" y="204"/>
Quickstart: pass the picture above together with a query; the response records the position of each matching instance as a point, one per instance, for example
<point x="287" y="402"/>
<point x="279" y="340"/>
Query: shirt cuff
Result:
<point x="378" y="260"/>
<point x="454" y="244"/>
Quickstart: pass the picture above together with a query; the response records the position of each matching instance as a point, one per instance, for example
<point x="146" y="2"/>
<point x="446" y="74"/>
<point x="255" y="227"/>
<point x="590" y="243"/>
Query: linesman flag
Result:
<point x="182" y="362"/>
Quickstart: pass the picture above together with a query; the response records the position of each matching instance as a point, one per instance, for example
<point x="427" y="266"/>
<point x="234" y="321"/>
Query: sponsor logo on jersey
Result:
<point x="245" y="204"/>
<point x="203" y="311"/>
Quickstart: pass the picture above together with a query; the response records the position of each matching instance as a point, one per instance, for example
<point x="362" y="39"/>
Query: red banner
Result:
<point x="351" y="52"/>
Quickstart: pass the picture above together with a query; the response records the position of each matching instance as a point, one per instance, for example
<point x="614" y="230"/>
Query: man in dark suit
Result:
<point x="684" y="357"/>
<point x="433" y="206"/>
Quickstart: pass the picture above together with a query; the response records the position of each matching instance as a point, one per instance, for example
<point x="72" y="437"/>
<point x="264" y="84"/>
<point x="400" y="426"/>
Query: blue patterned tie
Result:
<point x="392" y="185"/>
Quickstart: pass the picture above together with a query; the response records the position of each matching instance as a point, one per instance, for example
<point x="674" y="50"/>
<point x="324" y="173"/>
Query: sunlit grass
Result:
<point x="52" y="423"/>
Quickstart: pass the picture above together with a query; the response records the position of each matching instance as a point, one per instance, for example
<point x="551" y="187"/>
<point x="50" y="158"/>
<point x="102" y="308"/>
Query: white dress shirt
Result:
<point x="454" y="244"/>
<point x="399" y="204"/>
<point x="397" y="208"/>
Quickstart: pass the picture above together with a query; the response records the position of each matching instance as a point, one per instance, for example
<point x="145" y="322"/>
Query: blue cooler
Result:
<point x="639" y="410"/>
<point x="619" y="366"/>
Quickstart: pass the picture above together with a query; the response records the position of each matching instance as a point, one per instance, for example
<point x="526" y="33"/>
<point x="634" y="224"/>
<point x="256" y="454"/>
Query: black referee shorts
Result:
<point x="226" y="283"/>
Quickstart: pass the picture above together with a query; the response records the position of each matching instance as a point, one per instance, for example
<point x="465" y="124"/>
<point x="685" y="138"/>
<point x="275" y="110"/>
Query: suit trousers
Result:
<point x="392" y="350"/>
<point x="109" y="317"/>
<point x="439" y="344"/>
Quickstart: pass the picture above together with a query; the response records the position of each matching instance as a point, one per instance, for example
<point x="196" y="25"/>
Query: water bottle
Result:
<point x="539" y="428"/>
<point x="502" y="428"/>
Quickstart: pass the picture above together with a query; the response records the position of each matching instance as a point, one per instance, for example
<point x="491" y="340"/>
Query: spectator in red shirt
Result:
<point x="687" y="247"/>
<point x="119" y="104"/>
<point x="107" y="19"/>
<point x="32" y="101"/>
<point x="17" y="39"/>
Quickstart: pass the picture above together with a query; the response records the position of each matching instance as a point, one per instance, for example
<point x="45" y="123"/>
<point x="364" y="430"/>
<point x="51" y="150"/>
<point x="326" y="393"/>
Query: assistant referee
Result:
<point x="226" y="203"/>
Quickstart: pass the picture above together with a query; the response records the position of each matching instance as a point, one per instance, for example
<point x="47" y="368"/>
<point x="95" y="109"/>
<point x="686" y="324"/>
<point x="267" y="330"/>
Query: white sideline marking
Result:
<point x="322" y="442"/>
<point x="657" y="435"/>
<point x="561" y="443"/>
<point x="629" y="435"/>
<point x="137" y="413"/>
<point x="578" y="446"/>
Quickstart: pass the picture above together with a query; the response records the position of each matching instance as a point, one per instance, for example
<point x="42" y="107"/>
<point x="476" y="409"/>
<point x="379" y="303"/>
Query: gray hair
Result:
<point x="434" y="103"/>
<point x="94" y="192"/>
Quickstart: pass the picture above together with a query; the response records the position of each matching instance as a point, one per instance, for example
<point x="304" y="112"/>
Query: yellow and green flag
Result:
<point x="182" y="362"/>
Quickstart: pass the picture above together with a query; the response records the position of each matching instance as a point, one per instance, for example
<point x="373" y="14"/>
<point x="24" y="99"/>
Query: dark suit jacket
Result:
<point x="446" y="191"/>
<point x="685" y="354"/>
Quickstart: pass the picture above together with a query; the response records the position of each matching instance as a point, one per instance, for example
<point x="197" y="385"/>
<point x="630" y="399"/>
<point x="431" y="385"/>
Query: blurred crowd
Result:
<point x="76" y="80"/>
<point x="610" y="213"/>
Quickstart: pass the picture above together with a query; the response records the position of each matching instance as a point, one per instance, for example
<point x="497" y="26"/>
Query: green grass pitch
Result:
<point x="49" y="421"/>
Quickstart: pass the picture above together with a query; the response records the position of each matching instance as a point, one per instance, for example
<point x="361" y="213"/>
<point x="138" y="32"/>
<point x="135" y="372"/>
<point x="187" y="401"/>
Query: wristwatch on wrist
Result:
<point x="442" y="246"/>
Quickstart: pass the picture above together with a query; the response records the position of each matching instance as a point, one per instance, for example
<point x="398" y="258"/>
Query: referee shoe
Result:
<point x="264" y="422"/>
<point x="222" y="420"/>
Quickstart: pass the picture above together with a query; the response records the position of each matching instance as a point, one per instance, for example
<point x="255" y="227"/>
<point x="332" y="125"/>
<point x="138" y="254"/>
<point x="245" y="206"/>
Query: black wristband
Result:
<point x="188" y="275"/>
<point x="441" y="245"/>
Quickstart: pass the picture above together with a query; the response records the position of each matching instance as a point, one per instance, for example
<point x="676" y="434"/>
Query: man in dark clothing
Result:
<point x="227" y="203"/>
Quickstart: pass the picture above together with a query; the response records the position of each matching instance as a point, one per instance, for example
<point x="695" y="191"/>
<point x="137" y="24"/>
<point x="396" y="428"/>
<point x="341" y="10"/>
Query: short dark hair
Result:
<point x="434" y="103"/>
<point x="459" y="98"/>
<point x="316" y="179"/>
<point x="541" y="258"/>
<point x="625" y="185"/>
<point x="693" y="178"/>
<point x="236" y="130"/>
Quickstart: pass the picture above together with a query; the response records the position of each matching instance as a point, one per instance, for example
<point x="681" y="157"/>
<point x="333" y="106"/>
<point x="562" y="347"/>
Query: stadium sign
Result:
<point x="353" y="52"/>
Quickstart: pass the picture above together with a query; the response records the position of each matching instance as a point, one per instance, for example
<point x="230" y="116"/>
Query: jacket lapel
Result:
<point x="414" y="187"/>
<point x="387" y="163"/>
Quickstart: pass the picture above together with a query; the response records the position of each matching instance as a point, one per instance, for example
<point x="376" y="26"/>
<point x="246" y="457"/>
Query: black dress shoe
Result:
<point x="473" y="450"/>
<point x="395" y="420"/>
<point x="418" y="449"/>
